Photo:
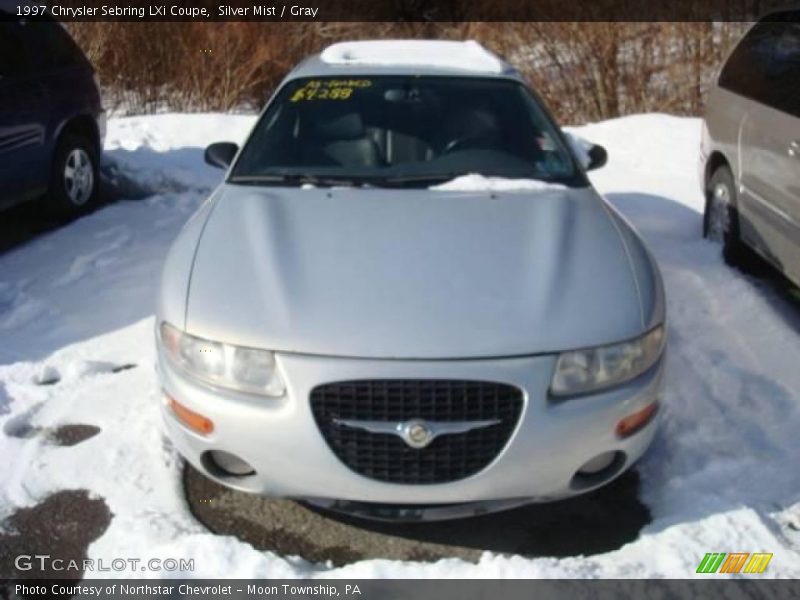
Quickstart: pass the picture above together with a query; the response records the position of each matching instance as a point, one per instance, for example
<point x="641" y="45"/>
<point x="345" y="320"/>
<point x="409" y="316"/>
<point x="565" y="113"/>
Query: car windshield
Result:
<point x="401" y="130"/>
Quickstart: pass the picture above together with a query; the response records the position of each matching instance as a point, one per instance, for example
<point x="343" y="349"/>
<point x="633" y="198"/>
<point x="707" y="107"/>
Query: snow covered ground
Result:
<point x="77" y="303"/>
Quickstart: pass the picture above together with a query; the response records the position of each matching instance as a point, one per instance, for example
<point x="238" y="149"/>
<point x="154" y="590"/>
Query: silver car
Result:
<point x="750" y="156"/>
<point x="406" y="300"/>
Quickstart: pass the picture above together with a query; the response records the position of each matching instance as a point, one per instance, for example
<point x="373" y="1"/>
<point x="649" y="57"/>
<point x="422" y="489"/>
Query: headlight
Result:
<point x="581" y="371"/>
<point x="244" y="369"/>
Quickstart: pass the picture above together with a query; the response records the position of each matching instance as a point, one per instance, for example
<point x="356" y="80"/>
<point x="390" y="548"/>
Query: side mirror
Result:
<point x="221" y="154"/>
<point x="598" y="156"/>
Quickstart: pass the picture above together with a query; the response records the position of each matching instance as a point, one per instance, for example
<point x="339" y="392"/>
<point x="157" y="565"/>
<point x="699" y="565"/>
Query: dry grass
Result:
<point x="585" y="71"/>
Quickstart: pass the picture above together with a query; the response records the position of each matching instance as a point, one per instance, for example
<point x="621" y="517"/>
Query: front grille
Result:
<point x="387" y="457"/>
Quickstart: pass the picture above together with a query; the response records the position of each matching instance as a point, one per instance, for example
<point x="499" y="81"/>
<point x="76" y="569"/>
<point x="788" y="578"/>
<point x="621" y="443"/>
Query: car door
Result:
<point x="23" y="119"/>
<point x="769" y="142"/>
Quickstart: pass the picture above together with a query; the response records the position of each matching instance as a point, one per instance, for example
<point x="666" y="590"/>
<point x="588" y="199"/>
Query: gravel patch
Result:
<point x="62" y="526"/>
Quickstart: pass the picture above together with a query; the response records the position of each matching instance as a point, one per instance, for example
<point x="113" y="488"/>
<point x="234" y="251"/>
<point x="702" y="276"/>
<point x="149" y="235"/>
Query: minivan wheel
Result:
<point x="721" y="220"/>
<point x="73" y="178"/>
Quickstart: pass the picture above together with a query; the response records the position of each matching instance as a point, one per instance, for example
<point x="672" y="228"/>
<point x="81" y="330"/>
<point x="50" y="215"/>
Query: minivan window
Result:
<point x="50" y="46"/>
<point x="402" y="130"/>
<point x="12" y="56"/>
<point x="765" y="66"/>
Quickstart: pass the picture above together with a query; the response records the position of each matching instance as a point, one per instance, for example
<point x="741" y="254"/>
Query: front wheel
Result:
<point x="721" y="219"/>
<point x="74" y="177"/>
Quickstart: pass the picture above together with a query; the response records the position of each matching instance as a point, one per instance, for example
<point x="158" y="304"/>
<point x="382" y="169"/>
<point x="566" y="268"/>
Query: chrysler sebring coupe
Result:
<point x="406" y="300"/>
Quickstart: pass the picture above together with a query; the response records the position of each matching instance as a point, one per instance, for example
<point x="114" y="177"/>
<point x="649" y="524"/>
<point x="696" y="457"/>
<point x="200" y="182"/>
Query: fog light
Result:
<point x="191" y="419"/>
<point x="597" y="464"/>
<point x="230" y="463"/>
<point x="633" y="423"/>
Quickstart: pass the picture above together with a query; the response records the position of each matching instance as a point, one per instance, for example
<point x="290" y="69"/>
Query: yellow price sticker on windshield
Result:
<point x="329" y="89"/>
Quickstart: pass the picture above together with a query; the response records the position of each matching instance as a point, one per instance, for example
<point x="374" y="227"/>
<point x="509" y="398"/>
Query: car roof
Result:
<point x="405" y="57"/>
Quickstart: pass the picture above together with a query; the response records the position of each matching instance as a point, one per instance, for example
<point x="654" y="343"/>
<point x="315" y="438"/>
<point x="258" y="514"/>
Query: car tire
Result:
<point x="721" y="218"/>
<point x="74" y="178"/>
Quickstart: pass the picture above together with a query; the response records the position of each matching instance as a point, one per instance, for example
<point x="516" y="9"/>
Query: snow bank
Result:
<point x="466" y="56"/>
<point x="164" y="153"/>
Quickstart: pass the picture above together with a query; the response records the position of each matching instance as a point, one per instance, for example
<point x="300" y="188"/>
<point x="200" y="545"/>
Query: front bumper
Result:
<point x="281" y="441"/>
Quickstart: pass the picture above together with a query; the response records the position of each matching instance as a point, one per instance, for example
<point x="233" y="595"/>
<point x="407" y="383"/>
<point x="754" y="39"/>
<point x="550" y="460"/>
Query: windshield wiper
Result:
<point x="298" y="179"/>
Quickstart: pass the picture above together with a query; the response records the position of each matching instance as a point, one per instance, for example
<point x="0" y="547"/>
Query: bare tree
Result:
<point x="585" y="71"/>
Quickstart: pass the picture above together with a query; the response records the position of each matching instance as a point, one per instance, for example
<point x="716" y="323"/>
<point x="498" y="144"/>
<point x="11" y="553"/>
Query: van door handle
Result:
<point x="794" y="149"/>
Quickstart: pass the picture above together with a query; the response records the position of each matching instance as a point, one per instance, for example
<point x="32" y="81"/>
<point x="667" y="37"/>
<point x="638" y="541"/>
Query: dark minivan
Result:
<point x="52" y="122"/>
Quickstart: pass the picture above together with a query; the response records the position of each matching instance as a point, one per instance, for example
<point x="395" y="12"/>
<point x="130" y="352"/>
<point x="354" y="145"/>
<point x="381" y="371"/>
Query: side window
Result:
<point x="64" y="51"/>
<point x="765" y="66"/>
<point x="13" y="61"/>
<point x="49" y="46"/>
<point x="782" y="67"/>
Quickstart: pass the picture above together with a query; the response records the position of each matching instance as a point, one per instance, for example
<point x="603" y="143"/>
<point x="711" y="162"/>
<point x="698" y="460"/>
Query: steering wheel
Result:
<point x="467" y="142"/>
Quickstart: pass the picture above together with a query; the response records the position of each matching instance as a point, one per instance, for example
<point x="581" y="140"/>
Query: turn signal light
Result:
<point x="633" y="423"/>
<point x="191" y="419"/>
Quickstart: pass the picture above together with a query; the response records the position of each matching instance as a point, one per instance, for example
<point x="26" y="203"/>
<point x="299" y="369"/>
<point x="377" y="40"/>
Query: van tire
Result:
<point x="721" y="217"/>
<point x="74" y="178"/>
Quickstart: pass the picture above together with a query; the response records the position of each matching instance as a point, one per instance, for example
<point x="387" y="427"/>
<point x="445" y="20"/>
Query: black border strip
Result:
<point x="711" y="586"/>
<point x="400" y="10"/>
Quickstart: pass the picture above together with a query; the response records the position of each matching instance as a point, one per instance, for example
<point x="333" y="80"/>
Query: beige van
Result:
<point x="750" y="148"/>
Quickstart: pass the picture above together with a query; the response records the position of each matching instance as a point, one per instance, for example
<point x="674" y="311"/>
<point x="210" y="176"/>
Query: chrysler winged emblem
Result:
<point x="417" y="433"/>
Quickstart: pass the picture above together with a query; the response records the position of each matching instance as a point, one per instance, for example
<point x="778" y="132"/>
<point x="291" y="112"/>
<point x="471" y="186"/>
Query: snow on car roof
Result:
<point x="467" y="55"/>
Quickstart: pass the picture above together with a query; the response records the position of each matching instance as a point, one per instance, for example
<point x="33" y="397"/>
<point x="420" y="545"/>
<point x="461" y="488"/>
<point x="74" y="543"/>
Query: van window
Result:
<point x="50" y="46"/>
<point x="12" y="56"/>
<point x="765" y="66"/>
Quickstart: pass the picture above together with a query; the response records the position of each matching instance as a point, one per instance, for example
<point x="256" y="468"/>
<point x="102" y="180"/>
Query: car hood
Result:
<point x="413" y="273"/>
